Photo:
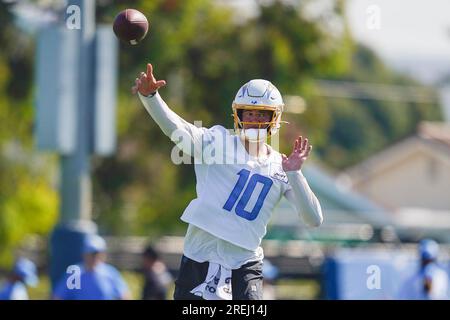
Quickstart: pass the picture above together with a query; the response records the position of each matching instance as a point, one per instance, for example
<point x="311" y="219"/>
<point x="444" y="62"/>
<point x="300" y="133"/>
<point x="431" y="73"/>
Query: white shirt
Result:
<point x="14" y="291"/>
<point x="235" y="198"/>
<point x="413" y="288"/>
<point x="235" y="201"/>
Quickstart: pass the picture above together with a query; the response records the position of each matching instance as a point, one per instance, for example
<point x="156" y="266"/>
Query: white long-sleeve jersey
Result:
<point x="236" y="192"/>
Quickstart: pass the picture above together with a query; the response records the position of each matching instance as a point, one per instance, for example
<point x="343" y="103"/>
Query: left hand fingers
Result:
<point x="307" y="152"/>
<point x="298" y="144"/>
<point x="142" y="76"/>
<point x="304" y="145"/>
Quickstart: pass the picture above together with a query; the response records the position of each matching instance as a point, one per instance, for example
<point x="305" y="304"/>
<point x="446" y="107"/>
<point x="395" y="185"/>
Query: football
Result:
<point x="130" y="26"/>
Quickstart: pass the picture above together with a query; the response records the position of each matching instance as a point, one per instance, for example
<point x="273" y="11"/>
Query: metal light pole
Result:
<point x="76" y="190"/>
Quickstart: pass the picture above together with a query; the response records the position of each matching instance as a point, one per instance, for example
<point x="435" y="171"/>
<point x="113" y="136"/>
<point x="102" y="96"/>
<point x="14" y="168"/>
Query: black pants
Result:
<point x="246" y="282"/>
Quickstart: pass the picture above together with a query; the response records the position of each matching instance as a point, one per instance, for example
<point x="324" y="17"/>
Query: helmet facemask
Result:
<point x="264" y="129"/>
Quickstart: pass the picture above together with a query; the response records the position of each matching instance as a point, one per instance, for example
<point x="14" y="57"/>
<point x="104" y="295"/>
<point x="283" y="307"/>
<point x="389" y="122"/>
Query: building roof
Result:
<point x="339" y="203"/>
<point x="432" y="138"/>
<point x="436" y="131"/>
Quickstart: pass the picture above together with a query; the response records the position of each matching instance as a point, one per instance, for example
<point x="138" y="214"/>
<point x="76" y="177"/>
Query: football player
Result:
<point x="222" y="256"/>
<point x="430" y="281"/>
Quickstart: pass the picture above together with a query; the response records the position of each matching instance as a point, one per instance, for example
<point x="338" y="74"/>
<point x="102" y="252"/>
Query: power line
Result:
<point x="375" y="91"/>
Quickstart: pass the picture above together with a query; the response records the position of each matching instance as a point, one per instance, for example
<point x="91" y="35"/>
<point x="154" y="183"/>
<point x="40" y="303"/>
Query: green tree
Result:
<point x="28" y="201"/>
<point x="364" y="126"/>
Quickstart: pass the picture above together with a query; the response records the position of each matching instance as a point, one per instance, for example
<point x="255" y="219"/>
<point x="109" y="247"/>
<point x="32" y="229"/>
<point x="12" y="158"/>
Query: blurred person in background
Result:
<point x="23" y="274"/>
<point x="156" y="277"/>
<point x="431" y="281"/>
<point x="270" y="274"/>
<point x="98" y="280"/>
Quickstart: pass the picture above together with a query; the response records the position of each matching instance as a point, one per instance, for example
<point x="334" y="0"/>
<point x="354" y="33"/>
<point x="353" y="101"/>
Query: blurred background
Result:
<point x="367" y="81"/>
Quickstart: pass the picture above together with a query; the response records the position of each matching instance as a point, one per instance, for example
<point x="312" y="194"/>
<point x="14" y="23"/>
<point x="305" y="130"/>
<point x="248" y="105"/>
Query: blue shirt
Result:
<point x="102" y="283"/>
<point x="14" y="291"/>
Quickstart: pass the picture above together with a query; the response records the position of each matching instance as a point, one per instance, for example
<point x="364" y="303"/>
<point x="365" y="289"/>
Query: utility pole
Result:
<point x="75" y="118"/>
<point x="76" y="189"/>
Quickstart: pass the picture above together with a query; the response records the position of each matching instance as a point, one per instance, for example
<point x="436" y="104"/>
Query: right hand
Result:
<point x="146" y="84"/>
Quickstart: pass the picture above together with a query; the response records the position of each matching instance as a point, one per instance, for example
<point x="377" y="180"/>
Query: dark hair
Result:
<point x="150" y="253"/>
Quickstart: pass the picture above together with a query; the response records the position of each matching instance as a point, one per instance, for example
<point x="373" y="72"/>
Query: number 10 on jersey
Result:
<point x="245" y="198"/>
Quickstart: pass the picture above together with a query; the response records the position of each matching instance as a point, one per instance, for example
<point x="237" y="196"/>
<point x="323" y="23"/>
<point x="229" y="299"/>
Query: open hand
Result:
<point x="299" y="154"/>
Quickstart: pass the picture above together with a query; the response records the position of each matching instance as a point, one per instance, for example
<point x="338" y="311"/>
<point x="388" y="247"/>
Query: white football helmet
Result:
<point x="258" y="94"/>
